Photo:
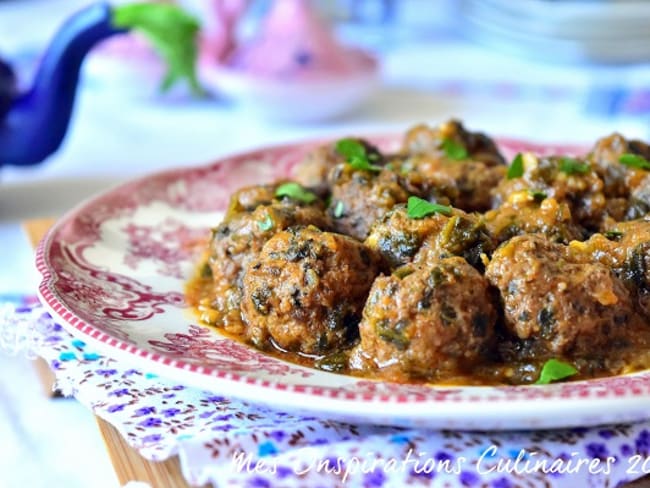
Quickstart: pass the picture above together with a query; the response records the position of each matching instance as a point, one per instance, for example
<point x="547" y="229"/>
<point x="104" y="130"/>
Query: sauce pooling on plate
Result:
<point x="441" y="263"/>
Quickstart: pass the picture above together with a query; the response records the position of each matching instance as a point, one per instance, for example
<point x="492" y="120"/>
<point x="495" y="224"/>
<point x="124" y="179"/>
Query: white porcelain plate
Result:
<point x="114" y="271"/>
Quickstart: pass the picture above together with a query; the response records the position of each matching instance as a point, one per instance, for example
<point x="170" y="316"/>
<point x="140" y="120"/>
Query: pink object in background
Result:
<point x="293" y="68"/>
<point x="293" y="42"/>
<point x="218" y="23"/>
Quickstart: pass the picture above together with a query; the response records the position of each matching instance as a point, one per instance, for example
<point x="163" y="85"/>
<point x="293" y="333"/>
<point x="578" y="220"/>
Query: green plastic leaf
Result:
<point x="173" y="34"/>
<point x="555" y="370"/>
<point x="296" y="192"/>
<point x="266" y="224"/>
<point x="634" y="161"/>
<point x="454" y="150"/>
<point x="417" y="208"/>
<point x="572" y="166"/>
<point x="516" y="169"/>
<point x="355" y="155"/>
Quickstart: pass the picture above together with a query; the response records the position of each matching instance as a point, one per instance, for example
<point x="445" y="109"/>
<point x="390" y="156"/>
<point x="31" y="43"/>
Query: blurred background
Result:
<point x="541" y="70"/>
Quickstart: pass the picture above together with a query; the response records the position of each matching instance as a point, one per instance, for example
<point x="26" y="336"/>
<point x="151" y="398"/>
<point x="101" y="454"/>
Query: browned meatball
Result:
<point x="465" y="184"/>
<point x="249" y="198"/>
<point x="313" y="171"/>
<point x="624" y="248"/>
<point x="361" y="197"/>
<point x="560" y="307"/>
<point x="618" y="179"/>
<point x="398" y="238"/>
<point x="438" y="319"/>
<point x="638" y="205"/>
<point x="401" y="240"/>
<point x="545" y="177"/>
<point x="524" y="214"/>
<point x="306" y="290"/>
<point x="238" y="240"/>
<point x="430" y="141"/>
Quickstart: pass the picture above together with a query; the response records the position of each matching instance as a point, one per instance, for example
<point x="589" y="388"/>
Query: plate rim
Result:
<point x="330" y="399"/>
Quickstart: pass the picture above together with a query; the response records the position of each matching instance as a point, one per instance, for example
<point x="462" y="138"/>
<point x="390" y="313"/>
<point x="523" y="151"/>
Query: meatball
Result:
<point x="624" y="248"/>
<point x="239" y="238"/>
<point x="360" y="197"/>
<point x="425" y="140"/>
<point x="524" y="214"/>
<point x="437" y="319"/>
<point x="638" y="205"/>
<point x="559" y="306"/>
<point x="464" y="184"/>
<point x="618" y="179"/>
<point x="397" y="238"/>
<point x="249" y="198"/>
<point x="400" y="239"/>
<point x="306" y="290"/>
<point x="313" y="171"/>
<point x="547" y="177"/>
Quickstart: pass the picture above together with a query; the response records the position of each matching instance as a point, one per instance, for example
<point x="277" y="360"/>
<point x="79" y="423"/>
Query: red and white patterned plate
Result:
<point x="114" y="271"/>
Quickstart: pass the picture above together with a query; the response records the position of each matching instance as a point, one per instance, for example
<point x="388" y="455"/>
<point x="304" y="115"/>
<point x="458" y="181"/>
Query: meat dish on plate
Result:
<point x="442" y="262"/>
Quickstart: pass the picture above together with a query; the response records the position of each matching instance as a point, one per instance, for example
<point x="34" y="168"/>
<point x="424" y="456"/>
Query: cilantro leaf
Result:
<point x="339" y="209"/>
<point x="295" y="191"/>
<point x="538" y="195"/>
<point x="516" y="169"/>
<point x="613" y="235"/>
<point x="453" y="149"/>
<point x="355" y="155"/>
<point x="572" y="166"/>
<point x="634" y="161"/>
<point x="555" y="370"/>
<point x="266" y="224"/>
<point x="173" y="34"/>
<point x="417" y="208"/>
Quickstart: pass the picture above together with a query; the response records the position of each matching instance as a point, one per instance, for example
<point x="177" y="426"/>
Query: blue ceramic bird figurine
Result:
<point x="33" y="124"/>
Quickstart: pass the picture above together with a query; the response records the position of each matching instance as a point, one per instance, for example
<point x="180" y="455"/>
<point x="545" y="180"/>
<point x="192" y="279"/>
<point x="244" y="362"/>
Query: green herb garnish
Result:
<point x="572" y="166"/>
<point x="355" y="155"/>
<point x="339" y="208"/>
<point x="173" y="33"/>
<point x="538" y="195"/>
<point x="266" y="224"/>
<point x="613" y="235"/>
<point x="516" y="169"/>
<point x="555" y="370"/>
<point x="634" y="161"/>
<point x="418" y="208"/>
<point x="453" y="149"/>
<point x="295" y="191"/>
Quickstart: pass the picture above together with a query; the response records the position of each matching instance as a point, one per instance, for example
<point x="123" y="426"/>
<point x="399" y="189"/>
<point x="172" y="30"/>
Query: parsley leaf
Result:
<point x="173" y="34"/>
<point x="634" y="161"/>
<point x="418" y="208"/>
<point x="339" y="209"/>
<point x="538" y="195"/>
<point x="266" y="224"/>
<point x="516" y="169"/>
<point x="453" y="149"/>
<point x="572" y="166"/>
<point x="355" y="155"/>
<point x="295" y="191"/>
<point x="555" y="370"/>
<point x="613" y="235"/>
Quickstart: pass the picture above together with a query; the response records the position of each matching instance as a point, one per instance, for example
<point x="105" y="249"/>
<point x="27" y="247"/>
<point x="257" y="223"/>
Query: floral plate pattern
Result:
<point x="114" y="271"/>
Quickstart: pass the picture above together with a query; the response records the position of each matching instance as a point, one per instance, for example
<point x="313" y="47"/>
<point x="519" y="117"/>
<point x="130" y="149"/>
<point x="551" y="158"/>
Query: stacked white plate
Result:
<point x="608" y="31"/>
